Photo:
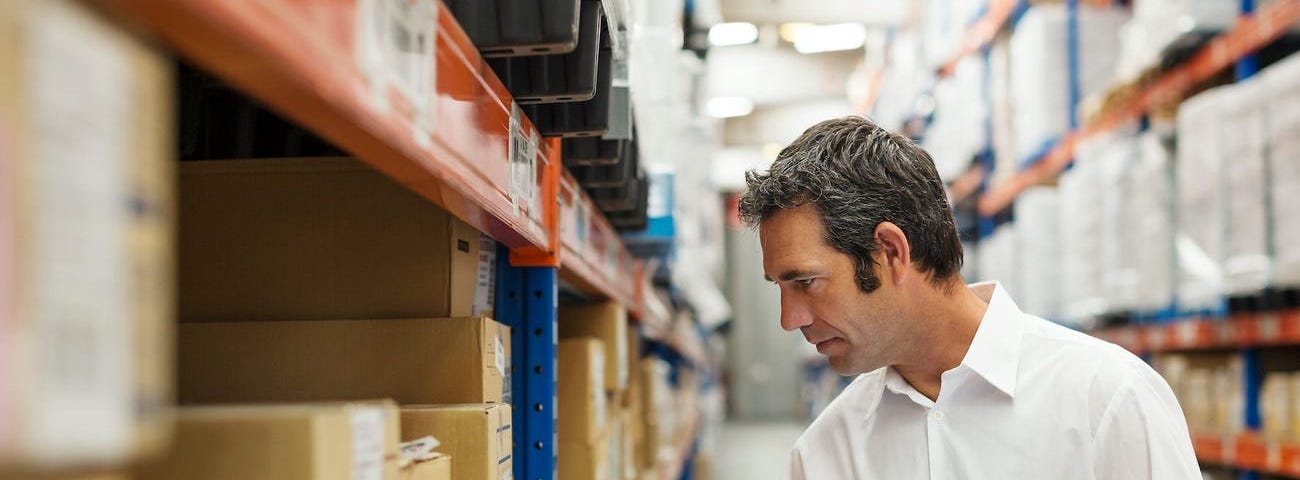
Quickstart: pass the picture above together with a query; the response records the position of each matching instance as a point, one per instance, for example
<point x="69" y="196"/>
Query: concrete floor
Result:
<point x="755" y="451"/>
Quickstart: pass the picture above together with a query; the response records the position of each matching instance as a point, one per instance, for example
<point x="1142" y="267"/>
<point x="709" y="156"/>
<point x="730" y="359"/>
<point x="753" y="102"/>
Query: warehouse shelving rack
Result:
<point x="461" y="144"/>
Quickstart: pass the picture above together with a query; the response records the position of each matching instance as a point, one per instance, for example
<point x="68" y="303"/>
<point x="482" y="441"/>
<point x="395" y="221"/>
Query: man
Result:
<point x="955" y="381"/>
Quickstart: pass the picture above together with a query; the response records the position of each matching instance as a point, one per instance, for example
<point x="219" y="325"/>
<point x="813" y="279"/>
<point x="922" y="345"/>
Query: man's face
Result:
<point x="857" y="332"/>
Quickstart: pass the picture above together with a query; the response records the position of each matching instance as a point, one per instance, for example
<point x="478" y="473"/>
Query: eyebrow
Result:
<point x="790" y="275"/>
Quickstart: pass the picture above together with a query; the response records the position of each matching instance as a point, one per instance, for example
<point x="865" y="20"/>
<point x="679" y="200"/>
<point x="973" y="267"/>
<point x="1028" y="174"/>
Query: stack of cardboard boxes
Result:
<point x="86" y="228"/>
<point x="593" y="381"/>
<point x="309" y="282"/>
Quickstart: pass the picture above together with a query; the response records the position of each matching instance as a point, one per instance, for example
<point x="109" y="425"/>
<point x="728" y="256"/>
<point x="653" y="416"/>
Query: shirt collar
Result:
<point x="994" y="353"/>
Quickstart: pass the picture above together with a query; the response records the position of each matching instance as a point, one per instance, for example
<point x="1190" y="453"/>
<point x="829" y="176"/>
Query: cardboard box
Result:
<point x="97" y="475"/>
<point x="436" y="469"/>
<point x="607" y="322"/>
<point x="478" y="437"/>
<point x="446" y="360"/>
<point x="86" y="234"/>
<point x="581" y="403"/>
<point x="352" y="441"/>
<point x="585" y="461"/>
<point x="320" y="239"/>
<point x="633" y="360"/>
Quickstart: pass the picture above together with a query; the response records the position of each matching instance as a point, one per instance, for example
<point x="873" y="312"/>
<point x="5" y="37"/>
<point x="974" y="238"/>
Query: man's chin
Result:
<point x="842" y="366"/>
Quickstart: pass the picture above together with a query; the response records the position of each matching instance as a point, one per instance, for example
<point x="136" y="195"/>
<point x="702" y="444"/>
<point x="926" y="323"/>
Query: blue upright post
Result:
<point x="1252" y="372"/>
<point x="527" y="299"/>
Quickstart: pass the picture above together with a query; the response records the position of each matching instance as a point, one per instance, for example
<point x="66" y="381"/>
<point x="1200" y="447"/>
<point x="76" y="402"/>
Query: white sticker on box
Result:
<point x="368" y="433"/>
<point x="500" y="356"/>
<point x="80" y="329"/>
<point x="485" y="287"/>
<point x="420" y="449"/>
<point x="395" y="47"/>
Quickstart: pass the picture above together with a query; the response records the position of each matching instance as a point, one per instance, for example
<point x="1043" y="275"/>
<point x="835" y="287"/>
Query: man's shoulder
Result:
<point x="850" y="408"/>
<point x="1072" y="356"/>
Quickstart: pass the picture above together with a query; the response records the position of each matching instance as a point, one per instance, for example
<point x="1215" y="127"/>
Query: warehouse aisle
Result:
<point x="756" y="451"/>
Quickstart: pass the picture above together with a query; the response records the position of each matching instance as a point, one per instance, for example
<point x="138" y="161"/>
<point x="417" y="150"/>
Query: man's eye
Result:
<point x="805" y="282"/>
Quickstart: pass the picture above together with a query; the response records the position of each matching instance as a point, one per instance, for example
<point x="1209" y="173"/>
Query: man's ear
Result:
<point x="894" y="253"/>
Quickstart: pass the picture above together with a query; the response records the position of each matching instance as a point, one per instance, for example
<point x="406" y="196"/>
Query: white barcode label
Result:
<point x="395" y="47"/>
<point x="581" y="219"/>
<point x="522" y="151"/>
<point x="368" y="433"/>
<point x="485" y="288"/>
<point x="80" y="327"/>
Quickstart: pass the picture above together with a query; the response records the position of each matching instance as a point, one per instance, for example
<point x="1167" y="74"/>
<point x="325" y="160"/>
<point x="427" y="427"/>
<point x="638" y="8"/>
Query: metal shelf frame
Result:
<point x="434" y="117"/>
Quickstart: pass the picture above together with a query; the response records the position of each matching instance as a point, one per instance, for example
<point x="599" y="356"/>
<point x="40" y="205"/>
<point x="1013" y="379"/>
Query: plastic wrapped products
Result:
<point x="1246" y="263"/>
<point x="1119" y="273"/>
<point x="1283" y="132"/>
<point x="1040" y="71"/>
<point x="1080" y="194"/>
<point x="997" y="259"/>
<point x="1198" y="174"/>
<point x="1152" y="228"/>
<point x="1038" y="248"/>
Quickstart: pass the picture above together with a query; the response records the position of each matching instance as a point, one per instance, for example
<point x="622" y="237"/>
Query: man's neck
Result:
<point x="947" y="328"/>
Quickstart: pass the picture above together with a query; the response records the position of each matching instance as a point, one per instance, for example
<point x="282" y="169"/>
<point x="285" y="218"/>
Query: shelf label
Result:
<point x="522" y="153"/>
<point x="1186" y="332"/>
<point x="1269" y="328"/>
<point x="395" y="48"/>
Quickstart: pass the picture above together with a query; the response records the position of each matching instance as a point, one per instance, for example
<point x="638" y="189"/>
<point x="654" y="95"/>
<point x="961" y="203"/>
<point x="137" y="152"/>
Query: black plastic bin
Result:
<point x="592" y="151"/>
<point x="569" y="77"/>
<point x="505" y="28"/>
<point x="577" y="119"/>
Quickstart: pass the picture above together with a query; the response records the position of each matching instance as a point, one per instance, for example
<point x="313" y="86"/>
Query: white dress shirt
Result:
<point x="1031" y="400"/>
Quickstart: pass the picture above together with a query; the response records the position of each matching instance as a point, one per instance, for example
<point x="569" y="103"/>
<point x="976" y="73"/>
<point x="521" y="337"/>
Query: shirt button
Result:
<point x="938" y="416"/>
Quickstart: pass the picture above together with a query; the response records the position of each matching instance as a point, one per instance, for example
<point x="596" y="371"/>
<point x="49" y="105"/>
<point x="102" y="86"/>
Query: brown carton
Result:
<point x="607" y="322"/>
<point x="582" y="408"/>
<point x="436" y="469"/>
<point x="354" y="441"/>
<point x="477" y="436"/>
<point x="446" y="360"/>
<point x="585" y="461"/>
<point x="320" y="239"/>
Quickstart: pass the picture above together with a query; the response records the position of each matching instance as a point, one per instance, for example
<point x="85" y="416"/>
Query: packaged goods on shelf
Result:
<point x="998" y="259"/>
<point x="658" y="416"/>
<point x="1038" y="250"/>
<point x="1040" y="70"/>
<point x="582" y="407"/>
<point x="583" y="461"/>
<point x="1247" y="266"/>
<point x="1282" y="109"/>
<point x="479" y="437"/>
<point x="607" y="322"/>
<point x="439" y="360"/>
<point x="356" y="441"/>
<point x="1082" y="296"/>
<point x="1277" y="407"/>
<point x="1165" y="22"/>
<point x="1152" y="226"/>
<point x="956" y="134"/>
<point x="86" y="235"/>
<point x="300" y="239"/>
<point x="1208" y="387"/>
<point x="1118" y="264"/>
<point x="1198" y="174"/>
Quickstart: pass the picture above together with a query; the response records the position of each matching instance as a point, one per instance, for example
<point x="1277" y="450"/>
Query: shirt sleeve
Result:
<point x="1143" y="435"/>
<point x="796" y="465"/>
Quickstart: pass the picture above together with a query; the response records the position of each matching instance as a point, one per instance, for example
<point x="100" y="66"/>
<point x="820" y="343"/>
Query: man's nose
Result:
<point x="794" y="314"/>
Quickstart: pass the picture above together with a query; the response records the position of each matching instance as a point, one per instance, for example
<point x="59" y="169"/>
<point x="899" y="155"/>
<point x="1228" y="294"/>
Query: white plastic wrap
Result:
<point x="1038" y="251"/>
<point x="1040" y="69"/>
<point x="1119" y="273"/>
<point x="1198" y="172"/>
<point x="1282" y="84"/>
<point x="997" y="259"/>
<point x="1247" y="266"/>
<point x="1165" y="20"/>
<point x="957" y="133"/>
<point x="1082" y="296"/>
<point x="1152" y="227"/>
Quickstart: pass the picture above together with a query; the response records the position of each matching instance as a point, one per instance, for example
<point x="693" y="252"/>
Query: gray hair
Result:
<point x="858" y="175"/>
